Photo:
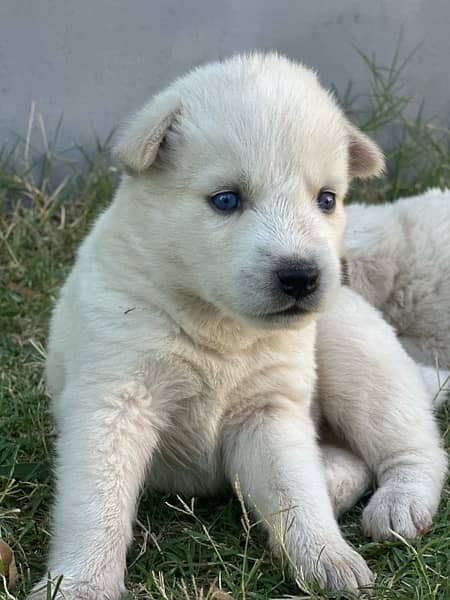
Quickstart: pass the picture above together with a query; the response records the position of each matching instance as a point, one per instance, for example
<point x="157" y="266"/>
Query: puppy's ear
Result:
<point x="365" y="157"/>
<point x="141" y="138"/>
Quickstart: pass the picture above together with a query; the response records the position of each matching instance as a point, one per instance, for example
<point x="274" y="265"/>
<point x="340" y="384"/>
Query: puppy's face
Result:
<point x="243" y="177"/>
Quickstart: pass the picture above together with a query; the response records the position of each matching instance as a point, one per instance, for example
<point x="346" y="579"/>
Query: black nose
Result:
<point x="299" y="280"/>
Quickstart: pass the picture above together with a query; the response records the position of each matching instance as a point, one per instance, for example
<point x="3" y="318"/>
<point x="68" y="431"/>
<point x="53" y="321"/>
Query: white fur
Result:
<point x="373" y="396"/>
<point x="165" y="355"/>
<point x="398" y="259"/>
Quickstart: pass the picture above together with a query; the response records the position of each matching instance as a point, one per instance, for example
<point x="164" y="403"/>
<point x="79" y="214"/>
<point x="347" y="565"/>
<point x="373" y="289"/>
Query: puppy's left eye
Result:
<point x="326" y="201"/>
<point x="225" y="202"/>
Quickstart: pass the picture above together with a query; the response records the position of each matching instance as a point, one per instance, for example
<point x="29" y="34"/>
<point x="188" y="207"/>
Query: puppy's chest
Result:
<point x="203" y="387"/>
<point x="283" y="364"/>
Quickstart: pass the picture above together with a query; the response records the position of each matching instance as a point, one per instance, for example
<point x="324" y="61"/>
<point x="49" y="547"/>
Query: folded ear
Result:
<point x="141" y="137"/>
<point x="366" y="158"/>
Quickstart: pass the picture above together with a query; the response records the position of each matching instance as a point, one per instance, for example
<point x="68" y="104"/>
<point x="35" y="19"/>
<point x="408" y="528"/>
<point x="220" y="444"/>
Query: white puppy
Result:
<point x="183" y="343"/>
<point x="399" y="259"/>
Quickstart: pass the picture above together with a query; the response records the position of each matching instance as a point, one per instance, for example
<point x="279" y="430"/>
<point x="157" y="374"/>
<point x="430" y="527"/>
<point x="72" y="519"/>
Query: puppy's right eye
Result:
<point x="225" y="202"/>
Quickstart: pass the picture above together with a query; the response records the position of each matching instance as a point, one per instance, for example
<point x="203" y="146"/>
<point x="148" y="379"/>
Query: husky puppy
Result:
<point x="182" y="346"/>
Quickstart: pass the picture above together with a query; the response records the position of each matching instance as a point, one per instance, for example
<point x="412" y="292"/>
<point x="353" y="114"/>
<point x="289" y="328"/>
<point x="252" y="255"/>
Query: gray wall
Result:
<point x="97" y="60"/>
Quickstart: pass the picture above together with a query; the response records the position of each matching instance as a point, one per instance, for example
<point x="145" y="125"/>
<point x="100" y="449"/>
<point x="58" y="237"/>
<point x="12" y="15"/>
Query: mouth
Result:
<point x="290" y="311"/>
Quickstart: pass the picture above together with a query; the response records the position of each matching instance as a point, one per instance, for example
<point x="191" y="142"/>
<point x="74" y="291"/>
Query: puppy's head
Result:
<point x="240" y="170"/>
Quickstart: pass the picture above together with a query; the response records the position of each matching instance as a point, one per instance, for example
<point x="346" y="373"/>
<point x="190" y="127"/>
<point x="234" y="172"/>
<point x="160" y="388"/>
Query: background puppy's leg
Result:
<point x="273" y="452"/>
<point x="347" y="475"/>
<point x="104" y="447"/>
<point x="373" y="395"/>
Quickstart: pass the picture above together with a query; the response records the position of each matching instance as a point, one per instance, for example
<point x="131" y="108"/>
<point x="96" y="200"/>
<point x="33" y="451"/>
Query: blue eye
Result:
<point x="326" y="201"/>
<point x="225" y="201"/>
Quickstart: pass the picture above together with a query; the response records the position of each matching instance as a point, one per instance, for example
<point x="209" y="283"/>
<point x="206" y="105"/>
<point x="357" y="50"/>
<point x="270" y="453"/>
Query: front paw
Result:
<point x="399" y="509"/>
<point x="337" y="567"/>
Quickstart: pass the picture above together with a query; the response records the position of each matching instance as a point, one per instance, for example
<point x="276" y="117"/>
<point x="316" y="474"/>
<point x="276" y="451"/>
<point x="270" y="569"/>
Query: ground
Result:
<point x="183" y="549"/>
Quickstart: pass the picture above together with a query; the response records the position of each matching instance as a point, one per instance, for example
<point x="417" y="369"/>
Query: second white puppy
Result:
<point x="183" y="342"/>
<point x="398" y="257"/>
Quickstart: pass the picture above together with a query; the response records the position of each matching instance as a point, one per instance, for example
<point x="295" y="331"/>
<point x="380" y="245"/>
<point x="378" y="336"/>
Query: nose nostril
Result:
<point x="300" y="280"/>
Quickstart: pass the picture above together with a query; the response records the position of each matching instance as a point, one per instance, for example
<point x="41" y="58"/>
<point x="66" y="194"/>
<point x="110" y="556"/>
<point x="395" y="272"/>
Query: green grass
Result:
<point x="180" y="551"/>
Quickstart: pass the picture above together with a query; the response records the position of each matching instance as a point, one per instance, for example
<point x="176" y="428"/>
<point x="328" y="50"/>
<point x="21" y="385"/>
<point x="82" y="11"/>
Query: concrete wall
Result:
<point x="97" y="60"/>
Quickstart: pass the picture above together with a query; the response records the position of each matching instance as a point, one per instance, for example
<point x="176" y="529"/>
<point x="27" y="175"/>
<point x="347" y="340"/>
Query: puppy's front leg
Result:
<point x="372" y="393"/>
<point x="105" y="443"/>
<point x="273" y="453"/>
